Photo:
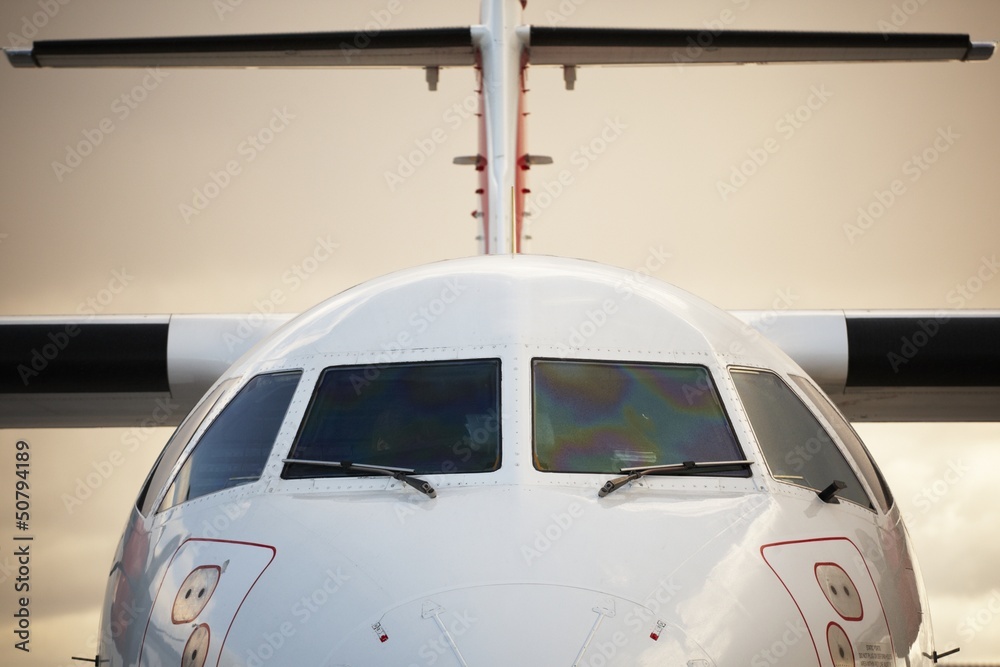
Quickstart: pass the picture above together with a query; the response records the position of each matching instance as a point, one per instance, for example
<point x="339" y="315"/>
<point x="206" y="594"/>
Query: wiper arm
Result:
<point x="398" y="473"/>
<point x="685" y="468"/>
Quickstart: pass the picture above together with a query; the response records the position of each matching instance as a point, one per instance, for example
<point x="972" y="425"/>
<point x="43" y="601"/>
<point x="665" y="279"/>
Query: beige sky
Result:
<point x="64" y="232"/>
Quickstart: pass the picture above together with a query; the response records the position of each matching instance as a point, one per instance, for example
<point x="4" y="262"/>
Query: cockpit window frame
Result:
<point x="177" y="448"/>
<point x="821" y="422"/>
<point x="878" y="486"/>
<point x="206" y="426"/>
<point x="364" y="370"/>
<point x="713" y="387"/>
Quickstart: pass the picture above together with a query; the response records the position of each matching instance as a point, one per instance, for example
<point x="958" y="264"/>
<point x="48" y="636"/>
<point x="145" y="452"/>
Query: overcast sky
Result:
<point x="135" y="226"/>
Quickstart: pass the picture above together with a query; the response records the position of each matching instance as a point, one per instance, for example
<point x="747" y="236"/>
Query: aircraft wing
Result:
<point x="895" y="366"/>
<point x="62" y="372"/>
<point x="150" y="371"/>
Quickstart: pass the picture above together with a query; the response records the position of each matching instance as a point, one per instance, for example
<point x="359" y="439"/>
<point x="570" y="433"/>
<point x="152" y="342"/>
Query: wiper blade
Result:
<point x="685" y="468"/>
<point x="402" y="474"/>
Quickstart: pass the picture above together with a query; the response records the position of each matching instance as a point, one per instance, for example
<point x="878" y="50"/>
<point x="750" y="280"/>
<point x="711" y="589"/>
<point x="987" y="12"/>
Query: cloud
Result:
<point x="943" y="477"/>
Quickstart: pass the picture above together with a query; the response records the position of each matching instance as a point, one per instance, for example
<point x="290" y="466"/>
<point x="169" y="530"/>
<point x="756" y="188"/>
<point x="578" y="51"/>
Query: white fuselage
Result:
<point x="515" y="565"/>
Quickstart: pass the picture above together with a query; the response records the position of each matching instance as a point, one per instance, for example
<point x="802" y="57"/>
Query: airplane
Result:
<point x="744" y="530"/>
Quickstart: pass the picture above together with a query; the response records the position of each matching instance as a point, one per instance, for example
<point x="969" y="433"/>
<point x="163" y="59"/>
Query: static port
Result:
<point x="840" y="591"/>
<point x="194" y="593"/>
<point x="196" y="649"/>
<point x="840" y="646"/>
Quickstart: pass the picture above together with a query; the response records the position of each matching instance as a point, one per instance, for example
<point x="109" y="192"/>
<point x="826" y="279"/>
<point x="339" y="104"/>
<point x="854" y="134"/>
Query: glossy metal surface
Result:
<point x="517" y="566"/>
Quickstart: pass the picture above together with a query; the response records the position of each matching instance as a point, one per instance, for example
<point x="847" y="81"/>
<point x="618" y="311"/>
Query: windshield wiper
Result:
<point x="402" y="474"/>
<point x="685" y="468"/>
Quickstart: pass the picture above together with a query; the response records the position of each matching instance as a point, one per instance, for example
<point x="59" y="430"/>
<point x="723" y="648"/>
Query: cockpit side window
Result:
<point x="601" y="416"/>
<point x="797" y="448"/>
<point x="431" y="417"/>
<point x="176" y="445"/>
<point x="851" y="440"/>
<point x="234" y="449"/>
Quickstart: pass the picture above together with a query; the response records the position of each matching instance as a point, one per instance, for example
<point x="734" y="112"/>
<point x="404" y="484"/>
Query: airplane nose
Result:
<point x="525" y="624"/>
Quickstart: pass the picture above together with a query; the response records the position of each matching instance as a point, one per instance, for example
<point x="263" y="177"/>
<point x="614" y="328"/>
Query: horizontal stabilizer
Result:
<point x="627" y="46"/>
<point x="454" y="47"/>
<point x="427" y="47"/>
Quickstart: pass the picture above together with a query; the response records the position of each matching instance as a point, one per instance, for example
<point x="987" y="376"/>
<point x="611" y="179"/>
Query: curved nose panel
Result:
<point x="201" y="593"/>
<point x="519" y="624"/>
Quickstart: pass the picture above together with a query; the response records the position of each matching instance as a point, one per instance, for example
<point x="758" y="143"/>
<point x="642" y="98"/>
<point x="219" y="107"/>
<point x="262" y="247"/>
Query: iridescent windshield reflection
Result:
<point x="600" y="417"/>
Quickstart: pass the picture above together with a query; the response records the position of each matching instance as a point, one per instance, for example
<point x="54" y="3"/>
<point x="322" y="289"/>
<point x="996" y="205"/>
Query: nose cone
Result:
<point x="502" y="576"/>
<point x="519" y="624"/>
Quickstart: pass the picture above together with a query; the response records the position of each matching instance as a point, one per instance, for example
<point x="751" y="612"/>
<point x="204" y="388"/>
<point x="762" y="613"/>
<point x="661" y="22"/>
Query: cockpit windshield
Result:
<point x="601" y="417"/>
<point x="426" y="417"/>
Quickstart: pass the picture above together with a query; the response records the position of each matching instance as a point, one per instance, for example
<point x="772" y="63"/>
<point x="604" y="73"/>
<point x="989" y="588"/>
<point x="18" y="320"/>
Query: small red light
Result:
<point x="383" y="638"/>
<point x="654" y="636"/>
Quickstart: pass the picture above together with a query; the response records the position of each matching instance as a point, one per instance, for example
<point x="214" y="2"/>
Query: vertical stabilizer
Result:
<point x="502" y="58"/>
